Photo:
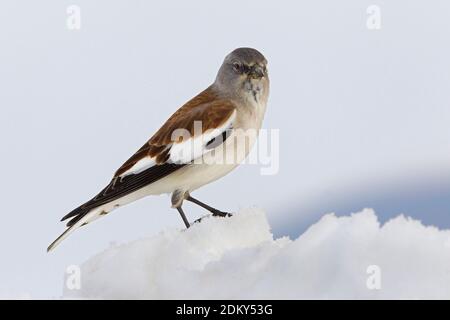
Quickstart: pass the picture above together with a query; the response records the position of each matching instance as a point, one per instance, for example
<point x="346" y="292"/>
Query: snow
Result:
<point x="238" y="258"/>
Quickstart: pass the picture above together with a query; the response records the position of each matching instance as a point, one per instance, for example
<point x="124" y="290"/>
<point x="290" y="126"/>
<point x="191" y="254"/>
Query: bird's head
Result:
<point x="243" y="74"/>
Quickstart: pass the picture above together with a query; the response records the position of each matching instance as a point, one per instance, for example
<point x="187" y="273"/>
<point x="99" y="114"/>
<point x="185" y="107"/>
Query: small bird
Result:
<point x="201" y="142"/>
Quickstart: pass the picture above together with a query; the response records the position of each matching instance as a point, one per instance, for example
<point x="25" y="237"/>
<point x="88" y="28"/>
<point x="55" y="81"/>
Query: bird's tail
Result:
<point x="73" y="225"/>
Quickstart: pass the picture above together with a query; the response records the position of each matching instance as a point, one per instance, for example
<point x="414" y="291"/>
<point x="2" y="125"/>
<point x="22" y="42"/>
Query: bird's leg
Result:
<point x="183" y="216"/>
<point x="215" y="212"/>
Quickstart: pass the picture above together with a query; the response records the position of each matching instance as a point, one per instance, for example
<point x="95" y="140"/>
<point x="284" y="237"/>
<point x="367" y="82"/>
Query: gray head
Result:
<point x="244" y="74"/>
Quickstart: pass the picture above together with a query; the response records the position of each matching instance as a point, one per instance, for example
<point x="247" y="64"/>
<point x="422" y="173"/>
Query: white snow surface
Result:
<point x="238" y="258"/>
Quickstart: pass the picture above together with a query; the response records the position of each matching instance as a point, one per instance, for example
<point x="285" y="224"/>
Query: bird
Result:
<point x="205" y="139"/>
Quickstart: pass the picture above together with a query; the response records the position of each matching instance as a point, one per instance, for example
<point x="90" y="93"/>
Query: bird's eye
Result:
<point x="237" y="67"/>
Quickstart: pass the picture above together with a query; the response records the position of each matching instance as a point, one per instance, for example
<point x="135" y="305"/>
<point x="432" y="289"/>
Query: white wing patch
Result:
<point x="185" y="151"/>
<point x="194" y="148"/>
<point x="140" y="166"/>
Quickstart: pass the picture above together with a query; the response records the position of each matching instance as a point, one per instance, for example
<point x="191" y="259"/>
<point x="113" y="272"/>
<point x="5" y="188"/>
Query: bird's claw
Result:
<point x="217" y="213"/>
<point x="221" y="214"/>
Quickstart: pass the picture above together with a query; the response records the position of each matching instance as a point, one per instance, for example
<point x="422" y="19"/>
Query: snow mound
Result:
<point x="238" y="258"/>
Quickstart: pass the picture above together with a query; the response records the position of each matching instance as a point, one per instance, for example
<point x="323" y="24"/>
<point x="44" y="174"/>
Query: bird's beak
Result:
<point x="257" y="72"/>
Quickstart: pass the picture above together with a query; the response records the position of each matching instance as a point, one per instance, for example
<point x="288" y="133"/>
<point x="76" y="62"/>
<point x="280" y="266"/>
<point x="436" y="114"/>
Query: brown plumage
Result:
<point x="206" y="107"/>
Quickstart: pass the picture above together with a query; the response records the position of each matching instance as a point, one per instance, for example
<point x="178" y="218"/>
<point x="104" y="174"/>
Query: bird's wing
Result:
<point x="177" y="143"/>
<point x="184" y="136"/>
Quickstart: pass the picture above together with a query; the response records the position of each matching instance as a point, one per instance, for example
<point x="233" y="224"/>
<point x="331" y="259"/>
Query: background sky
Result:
<point x="363" y="115"/>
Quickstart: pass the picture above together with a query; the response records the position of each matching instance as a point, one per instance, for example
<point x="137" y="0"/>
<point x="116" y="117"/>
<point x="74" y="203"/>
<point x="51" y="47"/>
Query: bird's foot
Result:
<point x="217" y="213"/>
